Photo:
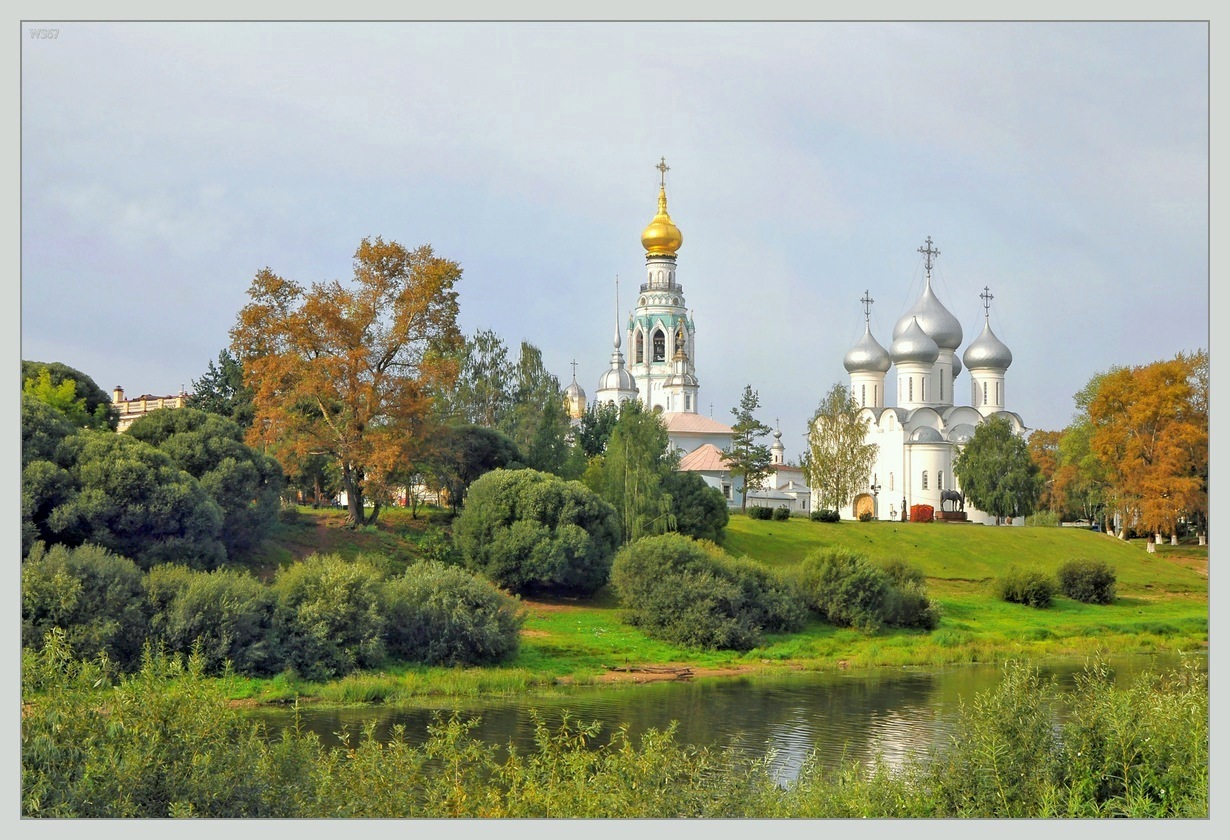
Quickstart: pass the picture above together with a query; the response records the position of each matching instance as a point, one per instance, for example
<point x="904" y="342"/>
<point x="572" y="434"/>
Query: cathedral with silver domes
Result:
<point x="921" y="434"/>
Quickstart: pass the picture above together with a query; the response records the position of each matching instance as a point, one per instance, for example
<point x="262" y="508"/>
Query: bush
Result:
<point x="329" y="616"/>
<point x="908" y="604"/>
<point x="1089" y="581"/>
<point x="226" y="616"/>
<point x="825" y="515"/>
<point x="781" y="514"/>
<point x="757" y="512"/>
<point x="692" y="594"/>
<point x="442" y="615"/>
<point x="865" y="516"/>
<point x="531" y="531"/>
<point x="845" y="589"/>
<point x="922" y="513"/>
<point x="97" y="598"/>
<point x="1026" y="586"/>
<point x="1043" y="519"/>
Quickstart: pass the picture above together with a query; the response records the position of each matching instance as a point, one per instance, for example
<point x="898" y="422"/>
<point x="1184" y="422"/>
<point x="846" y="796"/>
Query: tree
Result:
<point x="1150" y="431"/>
<point x="838" y="461"/>
<point x="246" y="484"/>
<point x="483" y="394"/>
<point x="531" y="531"/>
<point x="631" y="475"/>
<point x="221" y="391"/>
<point x="349" y="372"/>
<point x="460" y="454"/>
<point x="700" y="510"/>
<point x="537" y="420"/>
<point x="1045" y="451"/>
<point x="748" y="459"/>
<point x="996" y="473"/>
<point x="94" y="402"/>
<point x="595" y="428"/>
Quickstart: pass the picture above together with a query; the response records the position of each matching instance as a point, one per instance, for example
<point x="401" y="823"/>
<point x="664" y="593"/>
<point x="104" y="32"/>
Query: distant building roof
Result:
<point x="704" y="458"/>
<point x="686" y="421"/>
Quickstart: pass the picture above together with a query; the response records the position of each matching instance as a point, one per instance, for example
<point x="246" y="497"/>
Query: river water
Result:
<point x="890" y="712"/>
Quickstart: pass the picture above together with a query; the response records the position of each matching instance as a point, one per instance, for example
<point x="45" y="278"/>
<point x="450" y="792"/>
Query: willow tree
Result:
<point x="838" y="461"/>
<point x="347" y="372"/>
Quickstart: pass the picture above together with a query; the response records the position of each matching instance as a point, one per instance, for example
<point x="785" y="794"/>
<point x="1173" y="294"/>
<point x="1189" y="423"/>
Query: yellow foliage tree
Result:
<point x="1151" y="432"/>
<point x="348" y="371"/>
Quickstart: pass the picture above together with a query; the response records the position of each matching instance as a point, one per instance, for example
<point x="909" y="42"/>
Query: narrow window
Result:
<point x="890" y="481"/>
<point x="640" y="347"/>
<point x="984" y="393"/>
<point x="875" y="394"/>
<point x="923" y="384"/>
<point x="864" y="387"/>
<point x="939" y="480"/>
<point x="941" y="384"/>
<point x="687" y="402"/>
<point x="924" y="477"/>
<point x="659" y="346"/>
<point x="911" y="389"/>
<point x="998" y="401"/>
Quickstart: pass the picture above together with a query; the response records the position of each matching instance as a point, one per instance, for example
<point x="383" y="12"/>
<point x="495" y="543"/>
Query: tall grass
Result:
<point x="163" y="742"/>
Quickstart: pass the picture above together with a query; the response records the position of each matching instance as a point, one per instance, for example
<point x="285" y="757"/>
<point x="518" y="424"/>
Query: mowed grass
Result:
<point x="1162" y="603"/>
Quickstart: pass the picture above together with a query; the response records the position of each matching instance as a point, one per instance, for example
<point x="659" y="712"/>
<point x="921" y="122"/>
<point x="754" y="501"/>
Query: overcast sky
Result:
<point x="1062" y="165"/>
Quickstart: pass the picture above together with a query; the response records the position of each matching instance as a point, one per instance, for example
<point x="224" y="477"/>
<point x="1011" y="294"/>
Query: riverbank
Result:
<point x="1162" y="607"/>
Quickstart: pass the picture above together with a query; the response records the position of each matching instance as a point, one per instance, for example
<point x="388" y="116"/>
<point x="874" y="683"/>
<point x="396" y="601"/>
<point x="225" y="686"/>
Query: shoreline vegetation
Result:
<point x="1161" y="607"/>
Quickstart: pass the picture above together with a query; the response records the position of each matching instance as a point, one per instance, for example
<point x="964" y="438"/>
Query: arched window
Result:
<point x="923" y="384"/>
<point x="659" y="346"/>
<point x="875" y="394"/>
<point x="640" y="347"/>
<point x="998" y="401"/>
<point x="924" y="477"/>
<point x="864" y="387"/>
<point x="984" y="393"/>
<point x="911" y="389"/>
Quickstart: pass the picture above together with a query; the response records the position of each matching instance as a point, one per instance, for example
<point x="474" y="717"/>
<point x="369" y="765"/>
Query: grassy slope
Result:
<point x="1162" y="604"/>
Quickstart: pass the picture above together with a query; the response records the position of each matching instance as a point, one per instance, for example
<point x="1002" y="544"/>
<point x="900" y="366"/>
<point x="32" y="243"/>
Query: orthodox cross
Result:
<point x="574" y="370"/>
<point x="986" y="300"/>
<point x="866" y="300"/>
<point x="929" y="254"/>
<point x="663" y="168"/>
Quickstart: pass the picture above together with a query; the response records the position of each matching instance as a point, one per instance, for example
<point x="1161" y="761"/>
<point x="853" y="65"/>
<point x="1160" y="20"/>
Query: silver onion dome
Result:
<point x="987" y="351"/>
<point x="867" y="355"/>
<point x="618" y="377"/>
<point x="574" y="392"/>
<point x="935" y="320"/>
<point x="914" y="345"/>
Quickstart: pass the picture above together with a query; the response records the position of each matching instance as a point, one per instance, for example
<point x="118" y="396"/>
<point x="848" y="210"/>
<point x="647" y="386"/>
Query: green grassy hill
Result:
<point x="1162" y="604"/>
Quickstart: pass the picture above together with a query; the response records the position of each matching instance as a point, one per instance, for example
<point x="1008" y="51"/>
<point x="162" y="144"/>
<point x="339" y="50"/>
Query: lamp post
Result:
<point x="875" y="498"/>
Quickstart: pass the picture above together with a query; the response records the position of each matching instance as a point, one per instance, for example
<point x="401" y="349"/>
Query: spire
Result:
<point x="617" y="340"/>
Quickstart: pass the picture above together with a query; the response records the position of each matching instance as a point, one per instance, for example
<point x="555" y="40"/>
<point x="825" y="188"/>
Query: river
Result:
<point x="891" y="712"/>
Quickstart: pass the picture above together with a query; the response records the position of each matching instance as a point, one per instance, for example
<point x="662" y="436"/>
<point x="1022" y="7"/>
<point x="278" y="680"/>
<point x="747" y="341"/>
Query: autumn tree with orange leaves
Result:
<point x="347" y="372"/>
<point x="1151" y="433"/>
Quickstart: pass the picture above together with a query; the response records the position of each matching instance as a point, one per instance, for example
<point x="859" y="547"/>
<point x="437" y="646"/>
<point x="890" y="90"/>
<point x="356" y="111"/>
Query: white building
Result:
<point x="660" y="370"/>
<point x="919" y="436"/>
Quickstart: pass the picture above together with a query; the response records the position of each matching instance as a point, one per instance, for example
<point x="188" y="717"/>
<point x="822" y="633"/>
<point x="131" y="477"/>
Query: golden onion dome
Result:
<point x="662" y="238"/>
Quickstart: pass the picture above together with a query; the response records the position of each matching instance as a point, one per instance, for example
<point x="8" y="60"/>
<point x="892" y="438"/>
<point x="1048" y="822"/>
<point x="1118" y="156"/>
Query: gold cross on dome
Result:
<point x="663" y="168"/>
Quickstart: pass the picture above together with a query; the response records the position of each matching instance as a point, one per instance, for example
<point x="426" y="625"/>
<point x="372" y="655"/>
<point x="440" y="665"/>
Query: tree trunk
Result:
<point x="354" y="496"/>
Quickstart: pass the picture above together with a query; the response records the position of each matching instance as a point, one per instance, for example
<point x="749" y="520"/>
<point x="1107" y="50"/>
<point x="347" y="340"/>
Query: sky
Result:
<point x="1063" y="165"/>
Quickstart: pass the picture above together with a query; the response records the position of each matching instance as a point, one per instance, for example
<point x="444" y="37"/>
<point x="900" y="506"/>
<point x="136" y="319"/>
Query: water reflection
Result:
<point x="890" y="713"/>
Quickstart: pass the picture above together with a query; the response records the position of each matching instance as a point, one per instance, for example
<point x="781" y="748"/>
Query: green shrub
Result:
<point x="865" y="516"/>
<point x="1090" y="581"/>
<point x="757" y="512"/>
<point x="97" y="598"/>
<point x="531" y="531"/>
<point x="329" y="616"/>
<point x="908" y="604"/>
<point x="227" y="616"/>
<point x="700" y="510"/>
<point x="1026" y="586"/>
<point x="845" y="589"/>
<point x="443" y="615"/>
<point x="781" y="514"/>
<point x="824" y="515"/>
<point x="692" y="594"/>
<point x="1042" y="519"/>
